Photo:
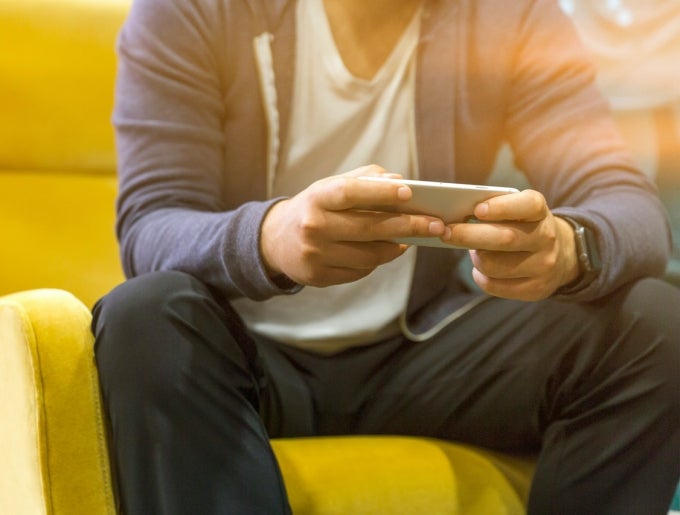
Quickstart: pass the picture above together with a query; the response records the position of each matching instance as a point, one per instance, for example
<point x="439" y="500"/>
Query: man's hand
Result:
<point x="322" y="236"/>
<point x="522" y="251"/>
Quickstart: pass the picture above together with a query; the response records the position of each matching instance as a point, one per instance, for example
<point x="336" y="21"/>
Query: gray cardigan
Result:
<point x="192" y="138"/>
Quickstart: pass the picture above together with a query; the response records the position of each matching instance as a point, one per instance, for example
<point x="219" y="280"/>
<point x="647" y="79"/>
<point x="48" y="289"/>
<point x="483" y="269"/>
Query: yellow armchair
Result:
<point x="52" y="438"/>
<point x="57" y="189"/>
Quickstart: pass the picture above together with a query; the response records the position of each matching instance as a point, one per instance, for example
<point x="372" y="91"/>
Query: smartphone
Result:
<point x="452" y="202"/>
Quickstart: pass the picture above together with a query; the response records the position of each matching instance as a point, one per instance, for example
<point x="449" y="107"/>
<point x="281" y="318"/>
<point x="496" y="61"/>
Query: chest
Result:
<point x="364" y="34"/>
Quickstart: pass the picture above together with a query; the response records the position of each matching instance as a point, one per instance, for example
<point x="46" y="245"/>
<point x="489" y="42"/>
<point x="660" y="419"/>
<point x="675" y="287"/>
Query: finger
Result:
<point x="367" y="226"/>
<point x="363" y="255"/>
<point x="371" y="171"/>
<point x="343" y="192"/>
<point x="526" y="206"/>
<point x="525" y="289"/>
<point x="503" y="237"/>
<point x="514" y="265"/>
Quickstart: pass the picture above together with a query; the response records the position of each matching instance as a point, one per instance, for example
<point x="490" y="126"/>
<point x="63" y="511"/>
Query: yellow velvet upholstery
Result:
<point x="57" y="68"/>
<point x="52" y="417"/>
<point x="399" y="475"/>
<point x="57" y="156"/>
<point x="57" y="232"/>
<point x="57" y="188"/>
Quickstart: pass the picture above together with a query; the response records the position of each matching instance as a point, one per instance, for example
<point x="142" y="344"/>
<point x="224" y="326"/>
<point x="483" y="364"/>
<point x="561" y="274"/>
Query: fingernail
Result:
<point x="404" y="193"/>
<point x="447" y="233"/>
<point x="436" y="228"/>
<point x="482" y="210"/>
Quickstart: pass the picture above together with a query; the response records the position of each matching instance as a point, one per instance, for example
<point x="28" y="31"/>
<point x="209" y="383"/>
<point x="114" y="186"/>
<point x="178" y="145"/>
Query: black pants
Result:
<point x="192" y="400"/>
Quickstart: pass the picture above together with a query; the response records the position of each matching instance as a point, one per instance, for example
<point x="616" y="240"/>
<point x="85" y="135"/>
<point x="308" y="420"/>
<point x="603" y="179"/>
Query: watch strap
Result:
<point x="587" y="254"/>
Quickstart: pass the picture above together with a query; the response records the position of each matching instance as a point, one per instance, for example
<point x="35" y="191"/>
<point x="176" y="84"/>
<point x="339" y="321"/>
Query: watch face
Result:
<point x="582" y="249"/>
<point x="592" y="250"/>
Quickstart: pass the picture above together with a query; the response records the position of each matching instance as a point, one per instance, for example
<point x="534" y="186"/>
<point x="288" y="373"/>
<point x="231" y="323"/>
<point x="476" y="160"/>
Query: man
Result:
<point x="266" y="301"/>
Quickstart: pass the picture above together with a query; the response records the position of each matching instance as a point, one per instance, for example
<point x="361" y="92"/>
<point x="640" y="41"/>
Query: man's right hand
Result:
<point x="322" y="236"/>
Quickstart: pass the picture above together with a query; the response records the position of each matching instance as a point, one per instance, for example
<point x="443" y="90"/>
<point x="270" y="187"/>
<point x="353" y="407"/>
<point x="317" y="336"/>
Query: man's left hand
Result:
<point x="522" y="251"/>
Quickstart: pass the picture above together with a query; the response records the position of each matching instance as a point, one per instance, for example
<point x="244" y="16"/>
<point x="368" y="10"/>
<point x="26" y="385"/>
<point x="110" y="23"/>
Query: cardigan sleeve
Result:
<point x="566" y="141"/>
<point x="168" y="115"/>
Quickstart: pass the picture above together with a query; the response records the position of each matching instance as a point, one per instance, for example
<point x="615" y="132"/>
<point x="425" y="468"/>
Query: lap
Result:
<point x="496" y="377"/>
<point x="584" y="383"/>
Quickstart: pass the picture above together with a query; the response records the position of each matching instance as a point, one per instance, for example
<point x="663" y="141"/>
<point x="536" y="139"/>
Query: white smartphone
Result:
<point x="452" y="202"/>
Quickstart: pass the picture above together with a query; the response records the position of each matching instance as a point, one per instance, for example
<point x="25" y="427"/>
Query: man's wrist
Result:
<point x="267" y="250"/>
<point x="570" y="269"/>
<point x="587" y="257"/>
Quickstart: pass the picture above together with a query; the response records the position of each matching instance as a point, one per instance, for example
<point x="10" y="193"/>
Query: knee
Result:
<point x="139" y="329"/>
<point x="651" y="313"/>
<point x="138" y="309"/>
<point x="656" y="303"/>
<point x="142" y="301"/>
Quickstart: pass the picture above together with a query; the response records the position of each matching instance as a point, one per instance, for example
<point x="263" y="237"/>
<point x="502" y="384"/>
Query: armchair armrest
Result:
<point x="51" y="432"/>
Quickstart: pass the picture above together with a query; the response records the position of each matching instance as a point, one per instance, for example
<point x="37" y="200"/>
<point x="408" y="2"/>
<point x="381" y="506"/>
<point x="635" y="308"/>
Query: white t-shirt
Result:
<point x="340" y="122"/>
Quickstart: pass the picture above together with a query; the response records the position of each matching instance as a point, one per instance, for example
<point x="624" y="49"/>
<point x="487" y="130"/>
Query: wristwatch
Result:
<point x="588" y="256"/>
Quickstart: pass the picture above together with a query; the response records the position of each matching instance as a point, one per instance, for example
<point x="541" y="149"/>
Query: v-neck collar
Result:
<point x="406" y="44"/>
